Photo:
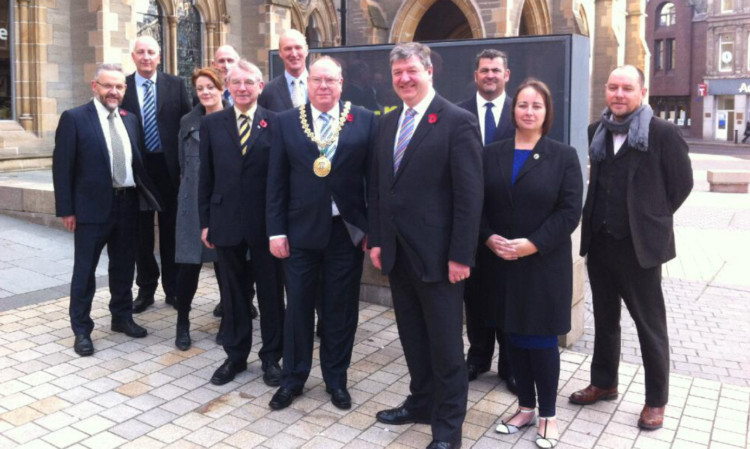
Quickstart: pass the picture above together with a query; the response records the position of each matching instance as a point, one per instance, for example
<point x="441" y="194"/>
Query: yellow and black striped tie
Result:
<point x="244" y="132"/>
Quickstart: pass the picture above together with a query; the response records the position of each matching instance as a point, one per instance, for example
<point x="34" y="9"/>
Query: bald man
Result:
<point x="225" y="58"/>
<point x="288" y="90"/>
<point x="159" y="100"/>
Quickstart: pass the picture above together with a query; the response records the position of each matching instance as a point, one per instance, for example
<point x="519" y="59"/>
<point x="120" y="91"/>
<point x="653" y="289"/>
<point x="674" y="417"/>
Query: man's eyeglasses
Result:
<point x="119" y="87"/>
<point x="317" y="81"/>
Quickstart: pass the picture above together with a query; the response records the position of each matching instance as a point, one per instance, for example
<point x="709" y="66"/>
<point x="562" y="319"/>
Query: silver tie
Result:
<point x="298" y="97"/>
<point x="119" y="171"/>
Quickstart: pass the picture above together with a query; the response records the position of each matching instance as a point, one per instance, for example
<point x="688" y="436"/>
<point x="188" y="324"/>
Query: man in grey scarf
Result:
<point x="640" y="175"/>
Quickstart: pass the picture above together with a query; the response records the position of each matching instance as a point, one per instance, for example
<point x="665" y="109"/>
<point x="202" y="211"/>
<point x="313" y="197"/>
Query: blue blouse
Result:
<point x="519" y="157"/>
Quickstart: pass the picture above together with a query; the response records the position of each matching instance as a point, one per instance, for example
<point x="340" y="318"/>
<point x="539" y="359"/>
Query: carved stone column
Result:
<point x="170" y="46"/>
<point x="608" y="49"/>
<point x="636" y="48"/>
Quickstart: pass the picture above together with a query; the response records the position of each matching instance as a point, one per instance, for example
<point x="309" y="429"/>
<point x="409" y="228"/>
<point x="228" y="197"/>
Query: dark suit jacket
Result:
<point x="172" y="102"/>
<point x="532" y="294"/>
<point x="659" y="181"/>
<point x="232" y="190"/>
<point x="299" y="202"/>
<point x="433" y="203"/>
<point x="81" y="168"/>
<point x="505" y="128"/>
<point x="276" y="96"/>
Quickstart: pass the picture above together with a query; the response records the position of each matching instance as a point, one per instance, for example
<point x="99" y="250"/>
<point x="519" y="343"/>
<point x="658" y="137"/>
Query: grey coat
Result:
<point x="188" y="246"/>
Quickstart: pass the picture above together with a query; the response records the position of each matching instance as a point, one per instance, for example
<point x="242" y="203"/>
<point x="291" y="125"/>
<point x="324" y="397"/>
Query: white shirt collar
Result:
<point x="422" y="106"/>
<point x="139" y="80"/>
<point x="333" y="112"/>
<point x="498" y="103"/>
<point x="250" y="113"/>
<point x="289" y="77"/>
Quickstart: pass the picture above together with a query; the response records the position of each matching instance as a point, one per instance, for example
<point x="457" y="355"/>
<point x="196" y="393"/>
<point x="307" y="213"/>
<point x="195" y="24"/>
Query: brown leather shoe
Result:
<point x="652" y="418"/>
<point x="592" y="394"/>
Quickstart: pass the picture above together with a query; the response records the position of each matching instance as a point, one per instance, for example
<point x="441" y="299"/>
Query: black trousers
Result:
<point x="147" y="277"/>
<point x="430" y="322"/>
<point x="537" y="372"/>
<point x="188" y="275"/>
<point x="480" y="327"/>
<point x="236" y="326"/>
<point x="118" y="234"/>
<point x="614" y="273"/>
<point x="340" y="263"/>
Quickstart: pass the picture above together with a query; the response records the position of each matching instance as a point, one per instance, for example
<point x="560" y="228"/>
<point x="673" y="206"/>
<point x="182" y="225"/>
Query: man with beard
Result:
<point x="98" y="175"/>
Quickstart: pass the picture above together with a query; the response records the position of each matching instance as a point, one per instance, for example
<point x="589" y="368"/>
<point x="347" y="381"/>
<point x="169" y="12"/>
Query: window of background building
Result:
<point x="727" y="5"/>
<point x="188" y="44"/>
<point x="667" y="15"/>
<point x="150" y="21"/>
<point x="658" y="52"/>
<point x="669" y="53"/>
<point x="726" y="52"/>
<point x="6" y="72"/>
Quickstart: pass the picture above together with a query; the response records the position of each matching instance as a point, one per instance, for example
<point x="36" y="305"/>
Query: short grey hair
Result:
<point x="331" y="60"/>
<point x="245" y="66"/>
<point x="409" y="49"/>
<point x="146" y="38"/>
<point x="108" y="67"/>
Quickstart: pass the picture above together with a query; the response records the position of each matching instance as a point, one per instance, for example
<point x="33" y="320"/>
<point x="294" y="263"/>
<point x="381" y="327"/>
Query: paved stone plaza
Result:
<point x="145" y="393"/>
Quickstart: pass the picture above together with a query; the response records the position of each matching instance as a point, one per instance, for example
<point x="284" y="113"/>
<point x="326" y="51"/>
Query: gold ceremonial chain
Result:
<point x="334" y="132"/>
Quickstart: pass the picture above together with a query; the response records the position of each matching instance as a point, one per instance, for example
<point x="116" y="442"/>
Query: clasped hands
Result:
<point x="510" y="249"/>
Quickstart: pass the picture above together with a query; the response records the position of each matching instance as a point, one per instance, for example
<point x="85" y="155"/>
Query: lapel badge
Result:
<point x="536" y="156"/>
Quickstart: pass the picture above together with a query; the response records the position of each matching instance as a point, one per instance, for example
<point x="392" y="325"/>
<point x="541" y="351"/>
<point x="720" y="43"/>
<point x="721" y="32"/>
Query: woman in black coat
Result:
<point x="532" y="204"/>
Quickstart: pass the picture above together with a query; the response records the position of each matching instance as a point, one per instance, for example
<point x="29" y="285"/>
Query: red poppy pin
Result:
<point x="432" y="118"/>
<point x="263" y="123"/>
<point x="123" y="112"/>
<point x="350" y="117"/>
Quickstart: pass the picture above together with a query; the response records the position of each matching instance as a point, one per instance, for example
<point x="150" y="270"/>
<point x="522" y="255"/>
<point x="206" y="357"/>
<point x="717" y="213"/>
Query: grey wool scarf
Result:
<point x="635" y="126"/>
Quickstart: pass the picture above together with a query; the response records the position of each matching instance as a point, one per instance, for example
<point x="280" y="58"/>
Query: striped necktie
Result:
<point x="244" y="132"/>
<point x="150" y="129"/>
<point x="404" y="136"/>
<point x="325" y="134"/>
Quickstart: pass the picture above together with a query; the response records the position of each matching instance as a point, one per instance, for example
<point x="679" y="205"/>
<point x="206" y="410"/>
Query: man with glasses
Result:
<point x="317" y="224"/>
<point x="234" y="146"/>
<point x="98" y="174"/>
<point x="492" y="107"/>
<point x="159" y="100"/>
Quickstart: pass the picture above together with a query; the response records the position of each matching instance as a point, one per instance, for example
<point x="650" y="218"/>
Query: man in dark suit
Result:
<point x="288" y="90"/>
<point x="98" y="174"/>
<point x="425" y="204"/>
<point x="235" y="145"/>
<point x="159" y="100"/>
<point x="492" y="107"/>
<point x="640" y="175"/>
<point x="317" y="224"/>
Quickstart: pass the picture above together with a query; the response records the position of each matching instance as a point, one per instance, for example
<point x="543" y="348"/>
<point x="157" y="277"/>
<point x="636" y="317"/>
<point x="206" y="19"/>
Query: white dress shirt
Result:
<point x="617" y="141"/>
<point x="139" y="80"/>
<point x="497" y="110"/>
<point x="250" y="116"/>
<point x="103" y="113"/>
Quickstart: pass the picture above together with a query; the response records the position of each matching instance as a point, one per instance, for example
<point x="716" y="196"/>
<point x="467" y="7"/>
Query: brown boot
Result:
<point x="592" y="394"/>
<point x="652" y="418"/>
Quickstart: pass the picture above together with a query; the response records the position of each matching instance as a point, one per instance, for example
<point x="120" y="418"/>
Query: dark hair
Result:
<point x="542" y="90"/>
<point x="210" y="73"/>
<point x="491" y="53"/>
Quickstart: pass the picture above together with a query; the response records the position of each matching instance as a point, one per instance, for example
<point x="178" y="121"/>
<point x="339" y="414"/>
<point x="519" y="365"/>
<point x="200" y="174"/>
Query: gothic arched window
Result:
<point x="667" y="15"/>
<point x="150" y="20"/>
<point x="6" y="61"/>
<point x="189" y="43"/>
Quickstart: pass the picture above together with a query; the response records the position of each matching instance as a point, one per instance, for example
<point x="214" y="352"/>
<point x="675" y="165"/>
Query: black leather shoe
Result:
<point x="400" y="415"/>
<point x="182" y="337"/>
<point x="340" y="398"/>
<point x="510" y="383"/>
<point x="171" y="300"/>
<point x="226" y="372"/>
<point x="283" y="398"/>
<point x="443" y="445"/>
<point x="83" y="345"/>
<point x="272" y="374"/>
<point x="218" y="311"/>
<point x="253" y="311"/>
<point x="129" y="328"/>
<point x="142" y="303"/>
<point x="474" y="371"/>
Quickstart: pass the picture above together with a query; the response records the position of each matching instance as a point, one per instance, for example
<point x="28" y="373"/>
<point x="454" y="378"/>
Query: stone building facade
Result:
<point x="676" y="36"/>
<point x="727" y="69"/>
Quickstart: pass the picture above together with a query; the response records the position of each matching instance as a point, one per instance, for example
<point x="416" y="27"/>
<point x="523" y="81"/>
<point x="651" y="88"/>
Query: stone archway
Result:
<point x="409" y="17"/>
<point x="534" y="18"/>
<point x="321" y="17"/>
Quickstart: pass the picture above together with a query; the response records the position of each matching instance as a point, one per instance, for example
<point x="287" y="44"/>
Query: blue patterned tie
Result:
<point x="150" y="129"/>
<point x="489" y="125"/>
<point x="325" y="134"/>
<point x="404" y="136"/>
